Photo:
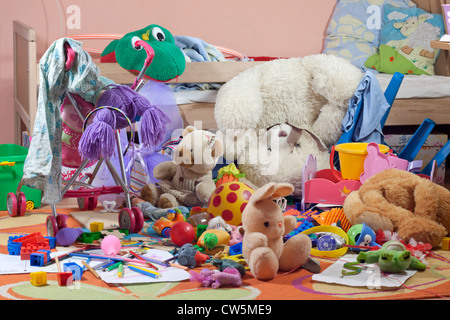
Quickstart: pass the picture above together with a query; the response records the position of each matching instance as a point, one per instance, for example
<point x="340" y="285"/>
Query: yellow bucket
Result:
<point x="352" y="156"/>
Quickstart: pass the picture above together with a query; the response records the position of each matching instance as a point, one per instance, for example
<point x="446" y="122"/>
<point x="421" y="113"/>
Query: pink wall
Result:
<point x="282" y="28"/>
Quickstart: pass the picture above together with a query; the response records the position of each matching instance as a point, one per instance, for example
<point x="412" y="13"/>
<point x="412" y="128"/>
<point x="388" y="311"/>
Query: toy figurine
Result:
<point x="216" y="279"/>
<point x="392" y="257"/>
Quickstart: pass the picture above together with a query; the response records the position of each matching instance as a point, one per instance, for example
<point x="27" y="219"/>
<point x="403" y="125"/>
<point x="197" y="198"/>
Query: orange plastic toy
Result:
<point x="328" y="218"/>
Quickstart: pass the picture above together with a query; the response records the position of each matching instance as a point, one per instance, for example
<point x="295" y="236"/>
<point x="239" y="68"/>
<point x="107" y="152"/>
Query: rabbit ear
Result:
<point x="272" y="190"/>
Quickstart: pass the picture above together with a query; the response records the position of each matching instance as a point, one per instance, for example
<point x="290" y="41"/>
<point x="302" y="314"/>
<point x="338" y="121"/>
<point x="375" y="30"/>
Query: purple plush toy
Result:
<point x="216" y="279"/>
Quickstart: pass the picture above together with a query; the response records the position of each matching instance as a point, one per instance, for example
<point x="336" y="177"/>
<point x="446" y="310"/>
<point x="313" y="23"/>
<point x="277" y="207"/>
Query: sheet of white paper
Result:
<point x="370" y="276"/>
<point x="167" y="273"/>
<point x="12" y="265"/>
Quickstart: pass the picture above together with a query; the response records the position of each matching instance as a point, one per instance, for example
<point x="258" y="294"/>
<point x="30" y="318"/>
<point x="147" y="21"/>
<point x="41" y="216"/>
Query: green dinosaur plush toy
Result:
<point x="168" y="61"/>
<point x="392" y="257"/>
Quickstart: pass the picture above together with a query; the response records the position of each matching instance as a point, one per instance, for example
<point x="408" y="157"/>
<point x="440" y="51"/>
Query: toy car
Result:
<point x="162" y="225"/>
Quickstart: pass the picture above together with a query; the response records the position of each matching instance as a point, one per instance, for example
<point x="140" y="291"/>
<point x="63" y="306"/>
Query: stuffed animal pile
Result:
<point x="275" y="114"/>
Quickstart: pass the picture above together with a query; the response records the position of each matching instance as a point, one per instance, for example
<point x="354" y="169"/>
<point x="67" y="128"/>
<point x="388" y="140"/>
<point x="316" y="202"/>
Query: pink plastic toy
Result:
<point x="377" y="161"/>
<point x="322" y="186"/>
<point x="216" y="279"/>
<point x="111" y="245"/>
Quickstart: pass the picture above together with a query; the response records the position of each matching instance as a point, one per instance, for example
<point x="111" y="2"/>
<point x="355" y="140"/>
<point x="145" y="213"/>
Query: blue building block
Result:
<point x="77" y="271"/>
<point x="51" y="242"/>
<point x="40" y="258"/>
<point x="14" y="247"/>
<point x="37" y="259"/>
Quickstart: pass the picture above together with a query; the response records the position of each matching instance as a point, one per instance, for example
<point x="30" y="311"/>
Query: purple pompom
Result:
<point x="99" y="140"/>
<point x="153" y="126"/>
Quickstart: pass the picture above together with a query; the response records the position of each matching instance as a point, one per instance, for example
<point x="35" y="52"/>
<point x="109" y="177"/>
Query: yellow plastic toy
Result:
<point x="229" y="201"/>
<point x="213" y="240"/>
<point x="38" y="278"/>
<point x="331" y="229"/>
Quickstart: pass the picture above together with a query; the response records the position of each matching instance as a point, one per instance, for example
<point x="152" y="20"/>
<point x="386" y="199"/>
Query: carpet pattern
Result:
<point x="434" y="282"/>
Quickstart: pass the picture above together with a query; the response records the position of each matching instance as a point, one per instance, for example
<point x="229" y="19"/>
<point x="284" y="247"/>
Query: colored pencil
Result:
<point x="146" y="272"/>
<point x="142" y="259"/>
<point x="90" y="269"/>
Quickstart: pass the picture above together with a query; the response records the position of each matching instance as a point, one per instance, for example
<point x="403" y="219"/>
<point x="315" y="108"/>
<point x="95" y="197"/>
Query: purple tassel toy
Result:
<point x="97" y="139"/>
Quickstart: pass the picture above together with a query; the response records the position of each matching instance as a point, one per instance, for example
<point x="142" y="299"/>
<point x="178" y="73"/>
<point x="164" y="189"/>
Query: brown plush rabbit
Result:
<point x="265" y="225"/>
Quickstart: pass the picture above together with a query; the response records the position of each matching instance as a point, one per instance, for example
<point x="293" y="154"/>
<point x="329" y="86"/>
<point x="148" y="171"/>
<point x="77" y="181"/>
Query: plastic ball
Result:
<point x="181" y="233"/>
<point x="111" y="245"/>
<point x="229" y="201"/>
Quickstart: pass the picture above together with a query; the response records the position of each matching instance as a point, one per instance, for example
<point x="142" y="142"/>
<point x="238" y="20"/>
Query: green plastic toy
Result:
<point x="392" y="257"/>
<point x="168" y="60"/>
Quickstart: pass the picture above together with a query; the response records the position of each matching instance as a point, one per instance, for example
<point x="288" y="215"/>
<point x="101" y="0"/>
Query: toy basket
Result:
<point x="12" y="158"/>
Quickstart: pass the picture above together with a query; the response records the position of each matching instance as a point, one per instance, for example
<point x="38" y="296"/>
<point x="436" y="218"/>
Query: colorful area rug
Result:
<point x="434" y="282"/>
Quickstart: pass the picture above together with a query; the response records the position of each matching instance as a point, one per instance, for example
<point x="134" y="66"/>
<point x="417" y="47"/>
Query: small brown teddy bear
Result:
<point x="187" y="180"/>
<point x="401" y="201"/>
<point x="265" y="225"/>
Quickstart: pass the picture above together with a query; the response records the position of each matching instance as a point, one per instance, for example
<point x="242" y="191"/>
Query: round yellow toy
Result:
<point x="229" y="201"/>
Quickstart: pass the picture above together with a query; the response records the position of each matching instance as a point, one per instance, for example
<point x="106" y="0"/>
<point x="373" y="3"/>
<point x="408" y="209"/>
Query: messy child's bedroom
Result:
<point x="234" y="151"/>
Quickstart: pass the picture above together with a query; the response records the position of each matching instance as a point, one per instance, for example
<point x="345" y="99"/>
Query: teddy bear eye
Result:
<point x="266" y="224"/>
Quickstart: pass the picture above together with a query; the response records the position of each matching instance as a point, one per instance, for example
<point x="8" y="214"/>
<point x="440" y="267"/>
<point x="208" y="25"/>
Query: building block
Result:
<point x="96" y="226"/>
<point x="14" y="247"/>
<point x="65" y="278"/>
<point x="51" y="242"/>
<point x="38" y="278"/>
<point x="40" y="258"/>
<point x="445" y="244"/>
<point x="77" y="271"/>
<point x="89" y="237"/>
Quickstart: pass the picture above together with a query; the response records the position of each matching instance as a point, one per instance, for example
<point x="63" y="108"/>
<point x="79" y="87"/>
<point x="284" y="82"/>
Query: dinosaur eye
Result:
<point x="266" y="224"/>
<point x="134" y="45"/>
<point x="158" y="34"/>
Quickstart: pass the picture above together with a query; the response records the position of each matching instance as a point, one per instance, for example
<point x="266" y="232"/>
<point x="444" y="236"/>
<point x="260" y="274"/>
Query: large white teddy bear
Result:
<point x="273" y="115"/>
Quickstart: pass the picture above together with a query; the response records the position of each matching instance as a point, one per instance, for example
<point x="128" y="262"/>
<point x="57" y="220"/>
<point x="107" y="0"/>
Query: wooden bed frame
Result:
<point x="403" y="112"/>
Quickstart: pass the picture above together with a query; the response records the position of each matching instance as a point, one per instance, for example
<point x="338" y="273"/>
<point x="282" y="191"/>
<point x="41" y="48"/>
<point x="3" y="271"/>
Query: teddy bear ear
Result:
<point x="272" y="190"/>
<point x="217" y="150"/>
<point x="188" y="130"/>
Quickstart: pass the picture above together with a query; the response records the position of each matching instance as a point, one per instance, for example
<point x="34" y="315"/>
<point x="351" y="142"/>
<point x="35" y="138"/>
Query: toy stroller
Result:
<point x="98" y="142"/>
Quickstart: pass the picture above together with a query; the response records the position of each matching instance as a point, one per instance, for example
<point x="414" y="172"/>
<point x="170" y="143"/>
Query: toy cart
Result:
<point x="130" y="218"/>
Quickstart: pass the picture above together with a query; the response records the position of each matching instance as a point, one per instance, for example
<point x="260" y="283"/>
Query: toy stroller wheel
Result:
<point x="22" y="204"/>
<point x="12" y="205"/>
<point x="52" y="226"/>
<point x="126" y="219"/>
<point x="30" y="205"/>
<point x="139" y="219"/>
<point x="92" y="203"/>
<point x="166" y="233"/>
<point x="82" y="203"/>
<point x="61" y="220"/>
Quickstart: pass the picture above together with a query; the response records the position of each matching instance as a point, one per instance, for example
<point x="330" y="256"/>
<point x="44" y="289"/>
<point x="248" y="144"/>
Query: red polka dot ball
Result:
<point x="228" y="201"/>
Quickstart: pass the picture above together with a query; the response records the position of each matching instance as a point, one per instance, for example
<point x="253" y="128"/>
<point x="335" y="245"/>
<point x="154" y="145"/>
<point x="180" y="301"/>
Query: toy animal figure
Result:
<point x="265" y="226"/>
<point x="392" y="257"/>
<point x="216" y="279"/>
<point x="403" y="202"/>
<point x="190" y="257"/>
<point x="168" y="60"/>
<point x="187" y="180"/>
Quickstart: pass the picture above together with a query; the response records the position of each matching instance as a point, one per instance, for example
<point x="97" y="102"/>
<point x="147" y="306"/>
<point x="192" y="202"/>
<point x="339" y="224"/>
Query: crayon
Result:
<point x="120" y="270"/>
